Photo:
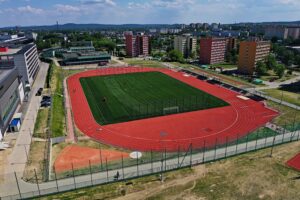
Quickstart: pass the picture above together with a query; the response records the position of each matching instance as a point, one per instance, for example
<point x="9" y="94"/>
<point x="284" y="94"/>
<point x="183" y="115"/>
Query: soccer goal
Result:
<point x="171" y="110"/>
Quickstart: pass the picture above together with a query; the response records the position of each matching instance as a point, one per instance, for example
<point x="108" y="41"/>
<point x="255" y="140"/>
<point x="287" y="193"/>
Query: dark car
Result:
<point x="45" y="104"/>
<point x="39" y="92"/>
<point x="46" y="98"/>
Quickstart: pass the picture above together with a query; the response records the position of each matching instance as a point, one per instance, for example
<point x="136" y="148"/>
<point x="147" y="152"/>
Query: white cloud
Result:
<point x="99" y="2"/>
<point x="29" y="9"/>
<point x="66" y="8"/>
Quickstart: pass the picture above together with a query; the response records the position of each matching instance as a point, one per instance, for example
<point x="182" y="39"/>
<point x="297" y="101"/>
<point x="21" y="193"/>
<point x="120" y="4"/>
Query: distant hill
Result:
<point x="71" y="26"/>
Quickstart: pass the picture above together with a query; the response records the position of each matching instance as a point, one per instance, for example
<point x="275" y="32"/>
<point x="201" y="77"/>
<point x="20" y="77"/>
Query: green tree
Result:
<point x="261" y="68"/>
<point x="176" y="56"/>
<point x="279" y="70"/>
<point x="297" y="60"/>
<point x="271" y="61"/>
<point x="288" y="57"/>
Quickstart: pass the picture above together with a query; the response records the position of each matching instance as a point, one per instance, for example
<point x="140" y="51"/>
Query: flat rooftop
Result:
<point x="10" y="51"/>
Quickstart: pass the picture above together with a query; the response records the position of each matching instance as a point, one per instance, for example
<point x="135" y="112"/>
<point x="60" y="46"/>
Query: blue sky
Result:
<point x="44" y="12"/>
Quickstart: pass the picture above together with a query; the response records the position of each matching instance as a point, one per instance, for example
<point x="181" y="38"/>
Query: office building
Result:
<point x="11" y="95"/>
<point x="25" y="59"/>
<point x="250" y="53"/>
<point x="212" y="50"/>
<point x="137" y="45"/>
<point x="186" y="44"/>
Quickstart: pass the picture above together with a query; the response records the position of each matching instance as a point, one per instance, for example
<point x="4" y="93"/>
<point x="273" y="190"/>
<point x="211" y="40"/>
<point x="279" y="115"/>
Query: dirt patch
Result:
<point x="77" y="157"/>
<point x="36" y="161"/>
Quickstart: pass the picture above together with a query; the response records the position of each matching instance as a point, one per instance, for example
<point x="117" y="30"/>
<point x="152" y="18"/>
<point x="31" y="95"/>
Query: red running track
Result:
<point x="294" y="162"/>
<point x="199" y="128"/>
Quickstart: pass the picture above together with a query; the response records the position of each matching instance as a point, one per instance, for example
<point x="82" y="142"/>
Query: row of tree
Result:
<point x="262" y="68"/>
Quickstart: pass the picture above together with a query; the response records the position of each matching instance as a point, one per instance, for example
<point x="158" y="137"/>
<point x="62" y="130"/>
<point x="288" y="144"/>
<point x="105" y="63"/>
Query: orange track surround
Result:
<point x="172" y="132"/>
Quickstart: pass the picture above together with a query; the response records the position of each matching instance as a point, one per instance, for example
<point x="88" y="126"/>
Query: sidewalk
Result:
<point x="16" y="161"/>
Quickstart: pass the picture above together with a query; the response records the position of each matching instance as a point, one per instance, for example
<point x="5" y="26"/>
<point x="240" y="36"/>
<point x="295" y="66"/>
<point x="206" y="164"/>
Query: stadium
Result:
<point x="155" y="109"/>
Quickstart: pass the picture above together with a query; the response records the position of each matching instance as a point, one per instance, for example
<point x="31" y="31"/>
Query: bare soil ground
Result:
<point x="35" y="162"/>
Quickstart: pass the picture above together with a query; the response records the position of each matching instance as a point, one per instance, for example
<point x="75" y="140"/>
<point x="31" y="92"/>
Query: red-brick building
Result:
<point x="212" y="50"/>
<point x="137" y="45"/>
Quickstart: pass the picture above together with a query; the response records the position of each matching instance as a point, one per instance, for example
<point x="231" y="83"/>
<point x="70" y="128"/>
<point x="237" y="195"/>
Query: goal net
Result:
<point x="171" y="110"/>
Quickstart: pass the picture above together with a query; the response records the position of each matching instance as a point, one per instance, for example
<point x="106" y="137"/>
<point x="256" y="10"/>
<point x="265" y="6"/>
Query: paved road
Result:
<point x="29" y="190"/>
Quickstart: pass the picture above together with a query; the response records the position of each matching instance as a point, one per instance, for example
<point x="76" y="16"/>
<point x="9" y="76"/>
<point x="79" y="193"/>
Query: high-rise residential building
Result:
<point x="294" y="32"/>
<point x="186" y="44"/>
<point x="26" y="61"/>
<point x="280" y="32"/>
<point x="137" y="45"/>
<point x="250" y="53"/>
<point x="231" y="43"/>
<point x="212" y="50"/>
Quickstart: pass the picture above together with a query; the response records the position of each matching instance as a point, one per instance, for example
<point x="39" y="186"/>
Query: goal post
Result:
<point x="170" y="110"/>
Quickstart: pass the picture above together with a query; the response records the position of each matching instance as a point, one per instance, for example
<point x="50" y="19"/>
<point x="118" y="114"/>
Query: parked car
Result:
<point x="45" y="104"/>
<point x="39" y="92"/>
<point x="46" y="98"/>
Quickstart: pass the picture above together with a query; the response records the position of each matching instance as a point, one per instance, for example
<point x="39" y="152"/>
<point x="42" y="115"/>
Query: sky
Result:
<point x="46" y="12"/>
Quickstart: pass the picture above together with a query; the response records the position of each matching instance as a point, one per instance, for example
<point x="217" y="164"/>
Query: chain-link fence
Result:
<point x="150" y="163"/>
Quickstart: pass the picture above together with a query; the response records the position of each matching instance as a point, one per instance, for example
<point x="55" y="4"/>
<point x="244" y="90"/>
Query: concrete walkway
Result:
<point x="17" y="159"/>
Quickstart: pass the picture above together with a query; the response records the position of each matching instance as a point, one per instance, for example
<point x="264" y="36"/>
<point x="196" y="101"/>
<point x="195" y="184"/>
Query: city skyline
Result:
<point x="34" y="12"/>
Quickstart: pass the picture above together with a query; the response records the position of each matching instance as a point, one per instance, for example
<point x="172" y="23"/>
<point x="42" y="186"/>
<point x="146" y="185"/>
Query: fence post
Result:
<point x="191" y="154"/>
<point x="165" y="159"/>
<point x="137" y="165"/>
<point x="226" y="146"/>
<point x="37" y="182"/>
<point x="73" y="176"/>
<point x="100" y="154"/>
<point x="272" y="146"/>
<point x="106" y="169"/>
<point x="55" y="179"/>
<point x="18" y="185"/>
<point x="91" y="172"/>
<point x="216" y="144"/>
<point x="203" y="159"/>
<point x="237" y="143"/>
<point x="178" y="153"/>
<point x="151" y="159"/>
<point x="283" y="133"/>
<point x="123" y="166"/>
<point x="247" y="140"/>
<point x="256" y="140"/>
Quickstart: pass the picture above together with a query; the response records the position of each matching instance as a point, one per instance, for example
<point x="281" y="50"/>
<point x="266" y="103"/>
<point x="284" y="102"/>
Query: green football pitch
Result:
<point x="125" y="97"/>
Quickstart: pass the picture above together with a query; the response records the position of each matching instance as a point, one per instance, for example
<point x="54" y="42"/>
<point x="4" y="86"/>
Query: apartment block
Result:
<point x="250" y="53"/>
<point x="212" y="50"/>
<point x="186" y="44"/>
<point x="137" y="45"/>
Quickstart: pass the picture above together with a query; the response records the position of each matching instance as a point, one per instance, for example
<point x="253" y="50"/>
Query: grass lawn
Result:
<point x="126" y="97"/>
<point x="41" y="123"/>
<point x="58" y="110"/>
<point x="146" y="63"/>
<point x="271" y="75"/>
<point x="289" y="118"/>
<point x="290" y="97"/>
